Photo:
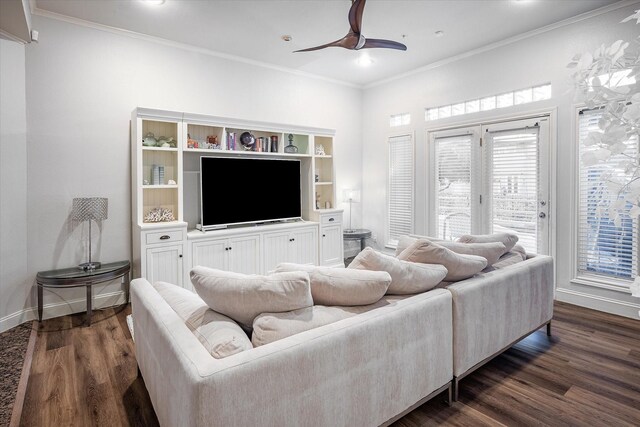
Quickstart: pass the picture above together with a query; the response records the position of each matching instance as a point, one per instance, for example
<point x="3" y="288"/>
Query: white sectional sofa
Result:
<point x="362" y="371"/>
<point x="366" y="370"/>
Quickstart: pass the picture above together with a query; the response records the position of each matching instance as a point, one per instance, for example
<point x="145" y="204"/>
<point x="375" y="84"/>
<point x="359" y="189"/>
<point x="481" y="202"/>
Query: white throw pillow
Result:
<point x="507" y="239"/>
<point x="220" y="335"/>
<point x="269" y="327"/>
<point x="406" y="277"/>
<point x="342" y="286"/>
<point x="490" y="251"/>
<point x="242" y="297"/>
<point x="459" y="266"/>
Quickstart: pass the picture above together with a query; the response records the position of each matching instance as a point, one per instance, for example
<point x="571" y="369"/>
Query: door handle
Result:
<point x="542" y="215"/>
<point x="165" y="237"/>
<point x="331" y="219"/>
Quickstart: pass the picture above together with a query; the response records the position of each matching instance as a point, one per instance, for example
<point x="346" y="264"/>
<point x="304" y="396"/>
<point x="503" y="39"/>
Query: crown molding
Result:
<point x="508" y="41"/>
<point x="184" y="46"/>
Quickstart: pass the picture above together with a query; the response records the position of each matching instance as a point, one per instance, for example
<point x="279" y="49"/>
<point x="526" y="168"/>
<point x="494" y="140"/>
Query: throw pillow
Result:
<point x="507" y="239"/>
<point x="459" y="266"/>
<point x="491" y="251"/>
<point x="269" y="327"/>
<point x="406" y="277"/>
<point x="242" y="297"/>
<point x="220" y="335"/>
<point x="342" y="286"/>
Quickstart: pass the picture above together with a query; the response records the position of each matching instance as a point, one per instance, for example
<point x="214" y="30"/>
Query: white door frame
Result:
<point x="552" y="113"/>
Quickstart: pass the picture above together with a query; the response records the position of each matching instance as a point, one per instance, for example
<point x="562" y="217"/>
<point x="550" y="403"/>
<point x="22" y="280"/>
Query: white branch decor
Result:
<point x="607" y="79"/>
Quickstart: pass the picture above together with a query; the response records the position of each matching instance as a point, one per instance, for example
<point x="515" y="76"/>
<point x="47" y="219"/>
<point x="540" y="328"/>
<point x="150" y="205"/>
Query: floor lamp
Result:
<point x="88" y="209"/>
<point x="351" y="196"/>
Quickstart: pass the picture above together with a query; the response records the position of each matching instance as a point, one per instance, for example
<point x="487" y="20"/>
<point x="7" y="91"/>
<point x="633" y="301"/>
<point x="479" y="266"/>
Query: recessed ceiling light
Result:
<point x="286" y="38"/>
<point x="154" y="2"/>
<point x="439" y="33"/>
<point x="364" y="60"/>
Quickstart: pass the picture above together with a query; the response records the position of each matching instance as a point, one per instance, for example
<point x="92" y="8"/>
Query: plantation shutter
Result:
<point x="606" y="247"/>
<point x="513" y="183"/>
<point x="400" y="215"/>
<point x="454" y="198"/>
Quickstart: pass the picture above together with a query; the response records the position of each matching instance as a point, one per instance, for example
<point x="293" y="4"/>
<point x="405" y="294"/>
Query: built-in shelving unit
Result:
<point x="165" y="175"/>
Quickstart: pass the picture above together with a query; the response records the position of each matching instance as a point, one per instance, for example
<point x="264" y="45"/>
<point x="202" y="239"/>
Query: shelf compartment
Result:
<point x="257" y="134"/>
<point x="200" y="134"/>
<point x="326" y="142"/>
<point x="323" y="194"/>
<point x="299" y="140"/>
<point x="168" y="159"/>
<point x="166" y="198"/>
<point x="158" y="128"/>
<point x="324" y="169"/>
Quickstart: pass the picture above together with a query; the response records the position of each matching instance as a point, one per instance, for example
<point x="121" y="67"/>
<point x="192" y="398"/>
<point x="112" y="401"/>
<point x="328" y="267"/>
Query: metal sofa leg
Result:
<point x="549" y="328"/>
<point x="450" y="394"/>
<point x="455" y="386"/>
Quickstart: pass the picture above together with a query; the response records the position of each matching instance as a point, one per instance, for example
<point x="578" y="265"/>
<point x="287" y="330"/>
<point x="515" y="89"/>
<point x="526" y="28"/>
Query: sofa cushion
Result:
<point x="406" y="277"/>
<point x="242" y="297"/>
<point x="341" y="286"/>
<point x="220" y="335"/>
<point x="507" y="239"/>
<point x="491" y="251"/>
<point x="459" y="266"/>
<point x="270" y="327"/>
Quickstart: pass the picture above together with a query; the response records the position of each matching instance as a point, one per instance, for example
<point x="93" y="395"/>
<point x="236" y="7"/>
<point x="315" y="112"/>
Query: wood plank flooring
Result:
<point x="587" y="374"/>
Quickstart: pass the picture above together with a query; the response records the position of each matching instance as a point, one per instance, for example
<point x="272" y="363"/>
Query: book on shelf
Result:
<point x="231" y="141"/>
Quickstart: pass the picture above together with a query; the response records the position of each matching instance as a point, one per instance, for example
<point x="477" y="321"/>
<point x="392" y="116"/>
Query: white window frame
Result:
<point x="411" y="135"/>
<point x="581" y="278"/>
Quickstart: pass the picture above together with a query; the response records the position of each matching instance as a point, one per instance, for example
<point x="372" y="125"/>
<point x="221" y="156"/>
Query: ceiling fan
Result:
<point x="354" y="40"/>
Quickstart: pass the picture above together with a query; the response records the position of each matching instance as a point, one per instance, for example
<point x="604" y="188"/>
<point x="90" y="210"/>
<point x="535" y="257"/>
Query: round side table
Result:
<point x="361" y="234"/>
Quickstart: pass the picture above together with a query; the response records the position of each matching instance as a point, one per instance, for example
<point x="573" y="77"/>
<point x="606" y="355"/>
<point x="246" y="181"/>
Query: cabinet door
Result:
<point x="244" y="254"/>
<point x="275" y="249"/>
<point x="212" y="253"/>
<point x="304" y="247"/>
<point x="331" y="248"/>
<point x="164" y="263"/>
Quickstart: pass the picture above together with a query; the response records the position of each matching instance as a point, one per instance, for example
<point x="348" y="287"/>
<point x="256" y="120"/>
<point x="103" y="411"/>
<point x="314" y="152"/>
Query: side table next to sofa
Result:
<point x="74" y="277"/>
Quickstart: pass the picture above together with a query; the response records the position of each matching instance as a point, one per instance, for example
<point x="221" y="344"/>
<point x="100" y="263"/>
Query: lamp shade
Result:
<point x="89" y="208"/>
<point x="349" y="195"/>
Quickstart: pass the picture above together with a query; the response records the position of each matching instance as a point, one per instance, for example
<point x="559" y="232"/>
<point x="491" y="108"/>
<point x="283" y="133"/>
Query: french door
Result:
<point x="492" y="178"/>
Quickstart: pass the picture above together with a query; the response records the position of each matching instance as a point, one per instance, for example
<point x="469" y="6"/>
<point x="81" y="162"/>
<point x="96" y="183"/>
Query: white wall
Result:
<point x="83" y="83"/>
<point x="14" y="286"/>
<point x="525" y="63"/>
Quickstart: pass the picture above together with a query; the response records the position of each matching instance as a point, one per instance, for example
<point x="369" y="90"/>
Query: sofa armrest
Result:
<point x="358" y="371"/>
<point x="493" y="310"/>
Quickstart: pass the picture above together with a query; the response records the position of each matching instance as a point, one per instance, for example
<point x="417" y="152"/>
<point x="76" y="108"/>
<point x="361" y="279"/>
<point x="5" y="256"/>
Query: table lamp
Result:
<point x="88" y="209"/>
<point x="351" y="196"/>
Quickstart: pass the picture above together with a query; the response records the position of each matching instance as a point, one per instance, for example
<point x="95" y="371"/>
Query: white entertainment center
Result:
<point x="173" y="143"/>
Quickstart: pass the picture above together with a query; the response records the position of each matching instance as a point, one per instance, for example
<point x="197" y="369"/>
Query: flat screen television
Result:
<point x="248" y="190"/>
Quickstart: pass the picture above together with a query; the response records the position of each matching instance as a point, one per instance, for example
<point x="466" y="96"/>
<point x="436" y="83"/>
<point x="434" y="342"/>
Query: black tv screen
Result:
<point x="248" y="190"/>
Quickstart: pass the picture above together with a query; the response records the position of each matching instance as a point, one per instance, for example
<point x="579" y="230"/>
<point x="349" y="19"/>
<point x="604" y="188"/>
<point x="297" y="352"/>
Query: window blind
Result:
<point x="453" y="186"/>
<point x="605" y="247"/>
<point x="513" y="170"/>
<point x="400" y="203"/>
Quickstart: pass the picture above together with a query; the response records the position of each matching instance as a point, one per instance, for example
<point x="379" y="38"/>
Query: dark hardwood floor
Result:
<point x="587" y="373"/>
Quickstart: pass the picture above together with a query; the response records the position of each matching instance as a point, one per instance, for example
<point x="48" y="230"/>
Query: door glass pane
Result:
<point x="453" y="186"/>
<point x="513" y="159"/>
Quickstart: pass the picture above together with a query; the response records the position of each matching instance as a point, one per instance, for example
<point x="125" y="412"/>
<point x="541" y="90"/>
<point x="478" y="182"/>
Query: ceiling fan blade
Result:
<point x="355" y="15"/>
<point x="379" y="43"/>
<point x="348" y="42"/>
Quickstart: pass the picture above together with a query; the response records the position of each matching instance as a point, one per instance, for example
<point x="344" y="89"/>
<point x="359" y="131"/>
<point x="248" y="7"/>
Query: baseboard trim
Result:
<point x="16" y="413"/>
<point x="595" y="302"/>
<point x="58" y="309"/>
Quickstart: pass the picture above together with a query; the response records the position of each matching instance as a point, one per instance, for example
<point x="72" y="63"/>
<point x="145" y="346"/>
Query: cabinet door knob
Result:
<point x="230" y="248"/>
<point x="324" y="235"/>
<point x="226" y="249"/>
<point x="165" y="237"/>
<point x="180" y="255"/>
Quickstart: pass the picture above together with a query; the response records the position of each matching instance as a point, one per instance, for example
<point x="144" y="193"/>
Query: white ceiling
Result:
<point x="252" y="29"/>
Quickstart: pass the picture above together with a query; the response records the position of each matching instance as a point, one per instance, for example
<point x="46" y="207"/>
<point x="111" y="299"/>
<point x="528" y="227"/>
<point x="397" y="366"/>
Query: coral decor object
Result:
<point x="159" y="215"/>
